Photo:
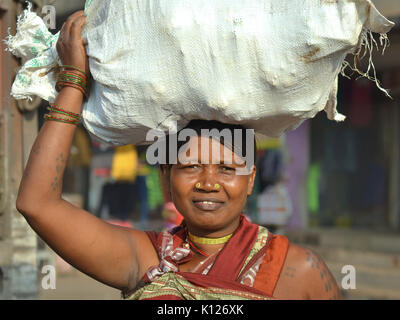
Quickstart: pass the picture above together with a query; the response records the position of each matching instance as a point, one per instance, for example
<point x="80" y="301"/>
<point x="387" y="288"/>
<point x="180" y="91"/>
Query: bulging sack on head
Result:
<point x="265" y="64"/>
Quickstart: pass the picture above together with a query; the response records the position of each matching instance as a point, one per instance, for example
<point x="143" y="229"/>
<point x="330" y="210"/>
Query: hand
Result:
<point x="70" y="46"/>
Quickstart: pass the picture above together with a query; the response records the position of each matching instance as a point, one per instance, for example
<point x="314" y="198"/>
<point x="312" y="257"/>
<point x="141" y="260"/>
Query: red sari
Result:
<point x="247" y="267"/>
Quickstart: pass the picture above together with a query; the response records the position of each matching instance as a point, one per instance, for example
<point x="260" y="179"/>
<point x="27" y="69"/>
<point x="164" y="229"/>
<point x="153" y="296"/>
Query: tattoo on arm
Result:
<point x="330" y="287"/>
<point x="60" y="165"/>
<point x="289" y="272"/>
<point x="36" y="150"/>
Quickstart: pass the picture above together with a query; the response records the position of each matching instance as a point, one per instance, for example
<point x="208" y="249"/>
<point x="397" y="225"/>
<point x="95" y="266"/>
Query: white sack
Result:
<point x="266" y="64"/>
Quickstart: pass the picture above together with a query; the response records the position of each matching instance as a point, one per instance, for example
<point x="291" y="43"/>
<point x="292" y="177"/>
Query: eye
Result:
<point x="191" y="166"/>
<point x="227" y="169"/>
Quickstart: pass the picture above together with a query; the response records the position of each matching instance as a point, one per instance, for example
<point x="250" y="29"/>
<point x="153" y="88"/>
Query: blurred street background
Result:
<point x="332" y="187"/>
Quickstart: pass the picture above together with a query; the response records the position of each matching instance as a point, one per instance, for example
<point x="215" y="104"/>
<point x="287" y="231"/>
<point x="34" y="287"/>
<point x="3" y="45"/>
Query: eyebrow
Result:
<point x="196" y="161"/>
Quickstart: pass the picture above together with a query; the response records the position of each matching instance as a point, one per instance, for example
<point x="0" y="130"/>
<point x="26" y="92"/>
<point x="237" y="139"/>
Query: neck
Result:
<point x="206" y="245"/>
<point x="205" y="249"/>
<point x="209" y="240"/>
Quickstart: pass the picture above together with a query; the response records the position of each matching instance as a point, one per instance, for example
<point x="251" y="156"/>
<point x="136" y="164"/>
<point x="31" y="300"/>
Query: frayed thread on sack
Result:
<point x="366" y="47"/>
<point x="10" y="39"/>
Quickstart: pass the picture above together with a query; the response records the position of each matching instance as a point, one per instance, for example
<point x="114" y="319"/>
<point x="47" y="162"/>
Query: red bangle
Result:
<point x="61" y="84"/>
<point x="73" y="74"/>
<point x="75" y="68"/>
<point x="72" y="78"/>
<point x="53" y="118"/>
<point x="74" y="115"/>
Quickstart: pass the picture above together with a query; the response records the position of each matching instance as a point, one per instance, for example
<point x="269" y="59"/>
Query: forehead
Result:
<point x="200" y="149"/>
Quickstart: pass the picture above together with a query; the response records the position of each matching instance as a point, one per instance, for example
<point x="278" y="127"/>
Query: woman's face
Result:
<point x="210" y="195"/>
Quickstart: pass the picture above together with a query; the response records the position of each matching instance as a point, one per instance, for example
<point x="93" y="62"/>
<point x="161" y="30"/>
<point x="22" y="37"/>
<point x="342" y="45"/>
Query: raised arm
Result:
<point x="107" y="253"/>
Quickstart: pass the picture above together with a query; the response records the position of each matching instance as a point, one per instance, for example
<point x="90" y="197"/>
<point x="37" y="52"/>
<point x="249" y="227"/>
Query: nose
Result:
<point x="208" y="180"/>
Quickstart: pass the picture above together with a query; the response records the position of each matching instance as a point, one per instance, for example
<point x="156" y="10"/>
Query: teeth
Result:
<point x="207" y="202"/>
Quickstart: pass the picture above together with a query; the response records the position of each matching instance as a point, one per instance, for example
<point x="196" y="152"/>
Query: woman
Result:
<point x="216" y="253"/>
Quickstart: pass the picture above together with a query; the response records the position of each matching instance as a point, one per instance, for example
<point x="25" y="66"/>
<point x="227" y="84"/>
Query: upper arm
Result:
<point x="306" y="276"/>
<point x="113" y="255"/>
<point x="321" y="283"/>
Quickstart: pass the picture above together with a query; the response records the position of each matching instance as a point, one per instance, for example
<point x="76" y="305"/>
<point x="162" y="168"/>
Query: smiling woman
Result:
<point x="216" y="253"/>
<point x="204" y="183"/>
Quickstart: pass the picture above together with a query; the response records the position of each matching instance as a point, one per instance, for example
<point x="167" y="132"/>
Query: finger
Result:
<point x="76" y="27"/>
<point x="63" y="30"/>
<point x="61" y="37"/>
<point x="71" y="20"/>
<point x="75" y="15"/>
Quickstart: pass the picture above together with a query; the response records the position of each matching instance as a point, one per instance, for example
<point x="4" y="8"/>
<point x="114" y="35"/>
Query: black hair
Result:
<point x="199" y="125"/>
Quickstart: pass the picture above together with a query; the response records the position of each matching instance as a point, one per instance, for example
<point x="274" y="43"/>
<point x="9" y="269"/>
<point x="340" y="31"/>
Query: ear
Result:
<point x="252" y="178"/>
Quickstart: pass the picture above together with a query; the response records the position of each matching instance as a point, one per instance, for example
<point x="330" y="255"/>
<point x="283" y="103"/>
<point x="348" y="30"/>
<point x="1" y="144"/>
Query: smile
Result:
<point x="208" y="204"/>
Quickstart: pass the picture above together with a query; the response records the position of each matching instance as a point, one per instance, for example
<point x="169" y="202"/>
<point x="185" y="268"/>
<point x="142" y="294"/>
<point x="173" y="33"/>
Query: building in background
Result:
<point x="19" y="272"/>
<point x="347" y="205"/>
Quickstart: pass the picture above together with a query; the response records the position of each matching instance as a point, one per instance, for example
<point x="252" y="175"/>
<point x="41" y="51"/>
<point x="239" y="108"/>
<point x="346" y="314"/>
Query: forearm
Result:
<point x="42" y="179"/>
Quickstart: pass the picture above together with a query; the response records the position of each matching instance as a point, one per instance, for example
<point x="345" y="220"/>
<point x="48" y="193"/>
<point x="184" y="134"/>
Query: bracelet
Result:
<point x="73" y="73"/>
<point x="53" y="108"/>
<point x="62" y="84"/>
<point x="75" y="68"/>
<point x="72" y="80"/>
<point x="53" y="118"/>
<point x="72" y="77"/>
<point x="75" y="78"/>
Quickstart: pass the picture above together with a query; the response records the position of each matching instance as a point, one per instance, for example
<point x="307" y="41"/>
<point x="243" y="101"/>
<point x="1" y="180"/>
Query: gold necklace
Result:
<point x="202" y="240"/>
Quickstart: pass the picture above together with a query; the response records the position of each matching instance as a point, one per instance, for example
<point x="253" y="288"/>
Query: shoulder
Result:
<point x="305" y="275"/>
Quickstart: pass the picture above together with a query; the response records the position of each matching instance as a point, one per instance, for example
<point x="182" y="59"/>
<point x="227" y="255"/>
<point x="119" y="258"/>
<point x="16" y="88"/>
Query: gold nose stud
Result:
<point x="217" y="186"/>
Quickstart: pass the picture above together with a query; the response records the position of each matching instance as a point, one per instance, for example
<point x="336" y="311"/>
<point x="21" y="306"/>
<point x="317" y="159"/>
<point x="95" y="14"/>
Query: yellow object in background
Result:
<point x="125" y="164"/>
<point x="269" y="143"/>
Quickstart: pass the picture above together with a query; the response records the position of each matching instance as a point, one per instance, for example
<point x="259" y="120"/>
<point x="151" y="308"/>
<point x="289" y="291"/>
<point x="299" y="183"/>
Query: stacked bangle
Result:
<point x="74" y="77"/>
<point x="57" y="119"/>
<point x="66" y="116"/>
<point x="75" y="68"/>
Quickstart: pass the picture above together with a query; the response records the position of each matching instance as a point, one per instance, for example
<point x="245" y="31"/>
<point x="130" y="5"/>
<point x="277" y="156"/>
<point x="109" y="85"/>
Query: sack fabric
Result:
<point x="157" y="64"/>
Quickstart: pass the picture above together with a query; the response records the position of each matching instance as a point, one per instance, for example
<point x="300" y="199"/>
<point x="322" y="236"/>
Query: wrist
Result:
<point x="72" y="91"/>
<point x="70" y="99"/>
<point x="71" y="76"/>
